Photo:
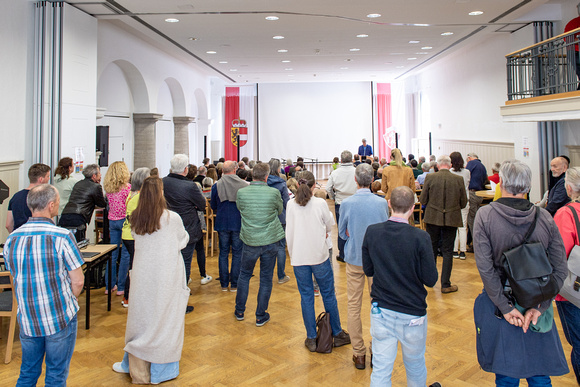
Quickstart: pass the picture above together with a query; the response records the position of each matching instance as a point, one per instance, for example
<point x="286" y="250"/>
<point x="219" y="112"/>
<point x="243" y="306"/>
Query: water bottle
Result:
<point x="375" y="309"/>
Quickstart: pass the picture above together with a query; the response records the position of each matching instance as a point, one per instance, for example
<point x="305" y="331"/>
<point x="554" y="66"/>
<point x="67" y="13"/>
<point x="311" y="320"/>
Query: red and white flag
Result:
<point x="240" y="119"/>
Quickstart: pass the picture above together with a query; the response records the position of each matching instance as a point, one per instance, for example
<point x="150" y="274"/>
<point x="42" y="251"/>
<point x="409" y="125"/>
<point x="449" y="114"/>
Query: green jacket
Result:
<point x="260" y="206"/>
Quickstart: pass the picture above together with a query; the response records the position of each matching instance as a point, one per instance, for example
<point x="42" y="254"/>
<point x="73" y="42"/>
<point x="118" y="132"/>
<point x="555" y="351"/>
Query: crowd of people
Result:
<point x="262" y="210"/>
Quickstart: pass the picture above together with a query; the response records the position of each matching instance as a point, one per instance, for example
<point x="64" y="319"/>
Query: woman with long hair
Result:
<point x="457" y="168"/>
<point x="137" y="179"/>
<point x="308" y="225"/>
<point x="159" y="293"/>
<point x="117" y="188"/>
<point x="396" y="174"/>
<point x="64" y="181"/>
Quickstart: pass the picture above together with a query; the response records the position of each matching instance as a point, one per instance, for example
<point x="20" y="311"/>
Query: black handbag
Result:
<point x="529" y="272"/>
<point x="324" y="340"/>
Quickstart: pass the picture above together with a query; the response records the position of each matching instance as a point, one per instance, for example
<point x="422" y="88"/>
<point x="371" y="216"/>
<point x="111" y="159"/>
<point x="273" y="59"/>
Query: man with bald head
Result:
<point x="557" y="197"/>
<point x="228" y="223"/>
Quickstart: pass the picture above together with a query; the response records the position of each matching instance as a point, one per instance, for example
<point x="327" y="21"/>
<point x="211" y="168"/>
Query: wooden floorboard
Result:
<point x="221" y="351"/>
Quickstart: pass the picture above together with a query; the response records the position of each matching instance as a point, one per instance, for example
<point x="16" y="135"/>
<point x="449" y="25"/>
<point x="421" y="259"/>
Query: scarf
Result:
<point x="228" y="187"/>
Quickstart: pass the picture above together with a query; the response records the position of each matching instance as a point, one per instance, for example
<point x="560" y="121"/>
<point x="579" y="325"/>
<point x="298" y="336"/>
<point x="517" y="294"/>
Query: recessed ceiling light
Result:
<point x="447" y="33"/>
<point x="426" y="48"/>
<point x="223" y="62"/>
<point x="289" y="69"/>
<point x="233" y="69"/>
<point x="414" y="41"/>
<point x="285" y="61"/>
<point x="348" y="60"/>
<point x="278" y="37"/>
<point x="422" y="53"/>
<point x="354" y="49"/>
<point x="475" y="13"/>
<point x="374" y="15"/>
<point x="172" y="20"/>
<point x="272" y="18"/>
<point x="400" y="67"/>
<point x="211" y="52"/>
<point x="421" y="25"/>
<point x="282" y="50"/>
<point x="192" y="38"/>
<point x="362" y="36"/>
<point x="344" y="68"/>
<point x="411" y="58"/>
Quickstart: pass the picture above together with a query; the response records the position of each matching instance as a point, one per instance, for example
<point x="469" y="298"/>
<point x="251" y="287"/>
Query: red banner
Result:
<point x="232" y="113"/>
<point x="385" y="121"/>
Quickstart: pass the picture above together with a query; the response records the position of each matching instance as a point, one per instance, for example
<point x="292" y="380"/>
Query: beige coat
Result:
<point x="159" y="293"/>
<point x="394" y="177"/>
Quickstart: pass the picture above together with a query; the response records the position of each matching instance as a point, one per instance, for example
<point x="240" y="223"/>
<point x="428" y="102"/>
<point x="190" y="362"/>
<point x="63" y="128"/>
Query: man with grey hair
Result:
<point x="340" y="185"/>
<point x="201" y="172"/>
<point x="85" y="196"/>
<point x="47" y="268"/>
<point x="444" y="196"/>
<point x="365" y="150"/>
<point x="357" y="212"/>
<point x="261" y="231"/>
<point x="557" y="196"/>
<point x="477" y="182"/>
<point x="184" y="197"/>
<point x="426" y="168"/>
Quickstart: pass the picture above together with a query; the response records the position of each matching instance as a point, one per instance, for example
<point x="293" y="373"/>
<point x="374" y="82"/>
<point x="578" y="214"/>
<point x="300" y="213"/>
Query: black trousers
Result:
<point x="130" y="246"/>
<point x="445" y="235"/>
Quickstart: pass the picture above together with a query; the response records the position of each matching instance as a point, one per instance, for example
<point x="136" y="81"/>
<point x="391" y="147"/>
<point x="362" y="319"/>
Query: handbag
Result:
<point x="324" y="341"/>
<point x="571" y="288"/>
<point x="529" y="272"/>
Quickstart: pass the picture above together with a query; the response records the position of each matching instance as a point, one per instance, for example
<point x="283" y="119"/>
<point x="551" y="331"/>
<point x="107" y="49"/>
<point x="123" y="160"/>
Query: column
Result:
<point x="144" y="146"/>
<point x="181" y="134"/>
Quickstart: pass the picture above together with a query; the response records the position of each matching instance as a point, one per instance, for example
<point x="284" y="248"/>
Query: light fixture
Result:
<point x="422" y="53"/>
<point x="447" y="33"/>
<point x="475" y="13"/>
<point x="354" y="49"/>
<point x="344" y="68"/>
<point x="272" y="18"/>
<point x="192" y="38"/>
<point x="373" y="15"/>
<point x="362" y="36"/>
<point x="414" y="41"/>
<point x="278" y="37"/>
<point x="421" y="25"/>
<point x="411" y="58"/>
<point x="289" y="69"/>
<point x="172" y="20"/>
<point x="223" y="61"/>
<point x="400" y="67"/>
<point x="285" y="61"/>
<point x="233" y="70"/>
<point x="282" y="50"/>
<point x="211" y="52"/>
<point x="426" y="48"/>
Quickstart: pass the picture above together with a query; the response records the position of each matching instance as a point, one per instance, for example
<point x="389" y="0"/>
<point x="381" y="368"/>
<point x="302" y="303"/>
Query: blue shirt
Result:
<point x="357" y="212"/>
<point x="421" y="177"/>
<point x="39" y="256"/>
<point x="478" y="175"/>
<point x="365" y="150"/>
<point x="228" y="216"/>
<point x="19" y="208"/>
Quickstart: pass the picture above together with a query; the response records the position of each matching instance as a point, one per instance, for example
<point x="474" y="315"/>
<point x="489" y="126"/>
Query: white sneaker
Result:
<point x="206" y="280"/>
<point x="118" y="367"/>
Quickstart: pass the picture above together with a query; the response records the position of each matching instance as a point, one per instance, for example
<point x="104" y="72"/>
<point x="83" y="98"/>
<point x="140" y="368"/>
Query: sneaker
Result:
<point x="189" y="309"/>
<point x="310" y="344"/>
<point x="206" y="280"/>
<point x="449" y="289"/>
<point x="125" y="302"/>
<point x="462" y="255"/>
<point x="316" y="292"/>
<point x="263" y="320"/>
<point x="189" y="281"/>
<point x="233" y="290"/>
<point x="284" y="280"/>
<point x="239" y="316"/>
<point x="343" y="338"/>
<point x="455" y="254"/>
<point x="225" y="289"/>
<point x="118" y="367"/>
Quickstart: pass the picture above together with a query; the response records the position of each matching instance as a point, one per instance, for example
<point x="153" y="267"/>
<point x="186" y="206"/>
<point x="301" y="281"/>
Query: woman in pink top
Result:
<point x="117" y="188"/>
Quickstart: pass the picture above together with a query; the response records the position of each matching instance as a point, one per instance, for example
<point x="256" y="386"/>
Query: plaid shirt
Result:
<point x="39" y="256"/>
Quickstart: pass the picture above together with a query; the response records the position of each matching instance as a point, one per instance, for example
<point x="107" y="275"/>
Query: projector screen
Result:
<point x="313" y="120"/>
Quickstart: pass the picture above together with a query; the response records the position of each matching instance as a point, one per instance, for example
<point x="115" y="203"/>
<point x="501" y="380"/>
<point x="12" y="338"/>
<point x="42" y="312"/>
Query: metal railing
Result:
<point x="548" y="67"/>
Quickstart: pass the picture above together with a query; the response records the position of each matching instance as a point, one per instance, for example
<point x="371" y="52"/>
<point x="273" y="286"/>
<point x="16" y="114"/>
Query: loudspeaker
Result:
<point x="103" y="145"/>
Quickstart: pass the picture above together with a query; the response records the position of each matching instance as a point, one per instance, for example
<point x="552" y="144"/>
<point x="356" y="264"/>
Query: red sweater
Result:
<point x="567" y="226"/>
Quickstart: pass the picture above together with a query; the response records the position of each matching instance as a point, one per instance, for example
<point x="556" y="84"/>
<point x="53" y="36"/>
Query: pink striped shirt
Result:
<point x="118" y="203"/>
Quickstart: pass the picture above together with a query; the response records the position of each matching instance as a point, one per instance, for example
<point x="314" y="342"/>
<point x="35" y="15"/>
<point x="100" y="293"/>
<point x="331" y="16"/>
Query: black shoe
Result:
<point x="239" y="316"/>
<point x="263" y="320"/>
<point x="339" y="258"/>
<point x="189" y="309"/>
<point x="436" y="384"/>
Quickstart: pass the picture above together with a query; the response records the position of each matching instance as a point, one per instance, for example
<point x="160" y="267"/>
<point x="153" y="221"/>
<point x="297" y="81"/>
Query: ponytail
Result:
<point x="305" y="184"/>
<point x="397" y="157"/>
<point x="63" y="168"/>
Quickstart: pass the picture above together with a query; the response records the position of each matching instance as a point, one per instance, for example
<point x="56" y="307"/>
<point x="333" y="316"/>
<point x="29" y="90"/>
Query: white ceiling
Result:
<point x="318" y="34"/>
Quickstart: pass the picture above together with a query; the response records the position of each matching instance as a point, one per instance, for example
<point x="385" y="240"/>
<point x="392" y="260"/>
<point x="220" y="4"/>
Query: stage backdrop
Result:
<point x="313" y="120"/>
<point x="240" y="117"/>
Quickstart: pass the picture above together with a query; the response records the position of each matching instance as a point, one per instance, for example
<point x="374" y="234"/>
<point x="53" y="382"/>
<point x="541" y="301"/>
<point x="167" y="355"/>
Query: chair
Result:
<point x="8" y="308"/>
<point x="418" y="210"/>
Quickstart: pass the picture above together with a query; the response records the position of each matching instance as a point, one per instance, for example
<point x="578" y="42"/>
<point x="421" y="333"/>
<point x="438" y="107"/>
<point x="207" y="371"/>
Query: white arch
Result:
<point x="177" y="96"/>
<point x="136" y="84"/>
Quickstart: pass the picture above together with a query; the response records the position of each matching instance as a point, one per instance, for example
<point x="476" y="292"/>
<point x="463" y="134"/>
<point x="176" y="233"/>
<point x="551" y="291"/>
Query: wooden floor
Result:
<point x="221" y="351"/>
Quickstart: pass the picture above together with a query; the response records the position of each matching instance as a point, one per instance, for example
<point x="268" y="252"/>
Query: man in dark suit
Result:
<point x="444" y="196"/>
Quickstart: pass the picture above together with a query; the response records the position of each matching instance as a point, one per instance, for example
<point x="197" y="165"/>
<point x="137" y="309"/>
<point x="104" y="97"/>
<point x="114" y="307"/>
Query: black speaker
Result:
<point x="103" y="145"/>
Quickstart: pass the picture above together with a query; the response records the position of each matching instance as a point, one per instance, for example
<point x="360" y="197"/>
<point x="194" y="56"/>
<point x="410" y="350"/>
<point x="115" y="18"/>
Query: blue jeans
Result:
<point x="388" y="329"/>
<point x="58" y="349"/>
<point x="341" y="242"/>
<point x="250" y="255"/>
<point x="229" y="239"/>
<point x="570" y="318"/>
<point x="506" y="381"/>
<point x="281" y="257"/>
<point x="325" y="279"/>
<point x="115" y="232"/>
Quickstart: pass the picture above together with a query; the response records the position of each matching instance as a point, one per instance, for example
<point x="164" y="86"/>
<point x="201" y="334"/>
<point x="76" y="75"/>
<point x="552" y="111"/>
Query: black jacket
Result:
<point x="85" y="196"/>
<point x="184" y="197"/>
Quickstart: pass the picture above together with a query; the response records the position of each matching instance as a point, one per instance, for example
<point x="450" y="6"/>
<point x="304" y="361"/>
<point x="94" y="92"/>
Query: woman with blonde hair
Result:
<point x="396" y="174"/>
<point x="159" y="293"/>
<point x="117" y="190"/>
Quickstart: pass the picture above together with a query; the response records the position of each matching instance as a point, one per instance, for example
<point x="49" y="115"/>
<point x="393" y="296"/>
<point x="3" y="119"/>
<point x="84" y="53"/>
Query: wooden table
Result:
<point x="105" y="253"/>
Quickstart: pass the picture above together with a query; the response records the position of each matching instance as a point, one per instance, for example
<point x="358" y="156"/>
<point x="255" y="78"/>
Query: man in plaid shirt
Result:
<point x="46" y="265"/>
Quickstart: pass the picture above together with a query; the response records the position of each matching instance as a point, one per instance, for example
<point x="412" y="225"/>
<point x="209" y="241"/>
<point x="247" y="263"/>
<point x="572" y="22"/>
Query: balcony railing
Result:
<point x="548" y="67"/>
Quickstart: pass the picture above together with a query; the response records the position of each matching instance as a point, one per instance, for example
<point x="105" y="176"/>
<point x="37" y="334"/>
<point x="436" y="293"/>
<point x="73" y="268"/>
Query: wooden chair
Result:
<point x="8" y="308"/>
<point x="418" y="210"/>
